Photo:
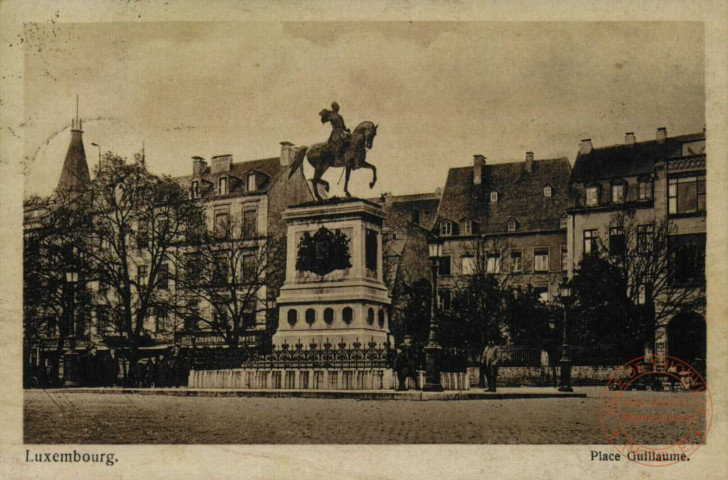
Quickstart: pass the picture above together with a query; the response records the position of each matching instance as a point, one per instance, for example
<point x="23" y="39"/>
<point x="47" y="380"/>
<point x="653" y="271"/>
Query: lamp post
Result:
<point x="565" y="296"/>
<point x="553" y="342"/>
<point x="433" y="350"/>
<point x="70" y="357"/>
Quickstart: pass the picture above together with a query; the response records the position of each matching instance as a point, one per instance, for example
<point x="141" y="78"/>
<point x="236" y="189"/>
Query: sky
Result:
<point x="440" y="92"/>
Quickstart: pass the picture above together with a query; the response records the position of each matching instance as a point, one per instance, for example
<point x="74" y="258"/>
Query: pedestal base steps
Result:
<point x="314" y="379"/>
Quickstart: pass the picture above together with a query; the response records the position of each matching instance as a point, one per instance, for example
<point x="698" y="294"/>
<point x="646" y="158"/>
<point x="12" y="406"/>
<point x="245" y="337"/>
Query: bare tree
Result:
<point x="138" y="220"/>
<point x="232" y="269"/>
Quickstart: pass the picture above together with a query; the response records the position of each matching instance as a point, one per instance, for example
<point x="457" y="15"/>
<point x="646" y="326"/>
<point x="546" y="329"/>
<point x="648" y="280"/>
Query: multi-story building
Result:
<point x="660" y="185"/>
<point x="252" y="194"/>
<point x="507" y="219"/>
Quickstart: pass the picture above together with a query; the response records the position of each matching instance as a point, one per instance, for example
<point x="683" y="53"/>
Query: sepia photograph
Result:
<point x="365" y="233"/>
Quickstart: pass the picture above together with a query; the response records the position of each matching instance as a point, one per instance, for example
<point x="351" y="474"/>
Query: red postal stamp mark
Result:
<point x="658" y="412"/>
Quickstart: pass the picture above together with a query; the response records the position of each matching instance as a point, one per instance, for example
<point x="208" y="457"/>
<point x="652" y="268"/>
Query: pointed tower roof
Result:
<point x="75" y="173"/>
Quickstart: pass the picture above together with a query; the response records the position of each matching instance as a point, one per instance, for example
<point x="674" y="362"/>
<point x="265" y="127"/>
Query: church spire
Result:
<point x="75" y="173"/>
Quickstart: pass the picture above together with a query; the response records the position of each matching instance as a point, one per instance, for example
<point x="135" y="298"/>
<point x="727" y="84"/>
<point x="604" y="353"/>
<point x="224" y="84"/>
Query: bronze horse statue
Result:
<point x="322" y="156"/>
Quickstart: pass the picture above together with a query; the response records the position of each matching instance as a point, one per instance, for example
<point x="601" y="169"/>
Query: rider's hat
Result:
<point x="335" y="106"/>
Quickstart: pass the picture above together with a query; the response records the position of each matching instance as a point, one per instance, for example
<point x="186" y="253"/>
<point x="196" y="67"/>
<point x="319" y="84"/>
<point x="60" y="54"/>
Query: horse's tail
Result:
<point x="298" y="160"/>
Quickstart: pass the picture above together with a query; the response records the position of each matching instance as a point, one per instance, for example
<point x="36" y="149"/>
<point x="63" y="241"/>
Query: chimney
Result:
<point x="661" y="135"/>
<point x="287" y="153"/>
<point x="585" y="147"/>
<point x="629" y="139"/>
<point x="529" y="162"/>
<point x="198" y="166"/>
<point x="221" y="163"/>
<point x="478" y="164"/>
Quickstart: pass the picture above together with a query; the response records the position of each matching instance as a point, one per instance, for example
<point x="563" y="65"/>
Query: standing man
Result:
<point x="490" y="360"/>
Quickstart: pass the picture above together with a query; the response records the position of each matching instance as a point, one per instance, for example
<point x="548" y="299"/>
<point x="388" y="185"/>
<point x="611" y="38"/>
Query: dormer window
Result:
<point x="494" y="196"/>
<point x="445" y="228"/>
<point x="251" y="182"/>
<point x="563" y="221"/>
<point x="222" y="186"/>
<point x="592" y="196"/>
<point x="466" y="227"/>
<point x="618" y="193"/>
<point x="512" y="225"/>
<point x="645" y="189"/>
<point x="195" y="189"/>
<point x="547" y="191"/>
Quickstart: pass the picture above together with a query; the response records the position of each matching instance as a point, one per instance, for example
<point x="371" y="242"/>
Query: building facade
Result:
<point x="659" y="185"/>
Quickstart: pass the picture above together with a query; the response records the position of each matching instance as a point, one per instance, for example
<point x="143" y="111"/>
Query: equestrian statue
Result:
<point x="344" y="149"/>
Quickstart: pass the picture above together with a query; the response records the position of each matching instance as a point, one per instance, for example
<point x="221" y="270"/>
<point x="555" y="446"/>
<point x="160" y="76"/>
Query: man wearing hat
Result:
<point x="339" y="132"/>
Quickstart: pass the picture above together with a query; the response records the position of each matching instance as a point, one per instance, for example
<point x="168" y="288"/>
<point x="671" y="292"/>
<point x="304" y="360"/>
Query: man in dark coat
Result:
<point x="490" y="360"/>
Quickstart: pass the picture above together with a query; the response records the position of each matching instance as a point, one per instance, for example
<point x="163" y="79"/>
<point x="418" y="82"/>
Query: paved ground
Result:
<point x="61" y="417"/>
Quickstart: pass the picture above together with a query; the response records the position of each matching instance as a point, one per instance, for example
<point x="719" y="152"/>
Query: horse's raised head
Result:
<point x="370" y="134"/>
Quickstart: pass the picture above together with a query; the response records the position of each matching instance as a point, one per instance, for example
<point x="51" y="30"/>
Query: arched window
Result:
<point x="381" y="318"/>
<point x="370" y="316"/>
<point x="292" y="317"/>
<point x="347" y="315"/>
<point x="310" y="316"/>
<point x="494" y="196"/>
<point x="329" y="316"/>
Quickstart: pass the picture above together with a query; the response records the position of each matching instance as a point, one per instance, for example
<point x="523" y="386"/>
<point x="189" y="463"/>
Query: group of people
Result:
<point x="405" y="365"/>
<point x="169" y="368"/>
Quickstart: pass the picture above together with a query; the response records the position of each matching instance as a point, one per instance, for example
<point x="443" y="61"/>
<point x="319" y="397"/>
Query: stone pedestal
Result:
<point x="334" y="290"/>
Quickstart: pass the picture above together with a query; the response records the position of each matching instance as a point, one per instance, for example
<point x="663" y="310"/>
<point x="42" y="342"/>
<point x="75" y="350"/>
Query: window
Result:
<point x="161" y="319"/>
<point x="592" y="196"/>
<point x="249" y="314"/>
<point x="443" y="299"/>
<point x="590" y="242"/>
<point x="466" y="227"/>
<point x="251" y="183"/>
<point x="616" y="241"/>
<point x="492" y="263"/>
<point x="547" y="191"/>
<point x="347" y="315"/>
<point x="222" y="186"/>
<point x="645" y="189"/>
<point x="250" y="223"/>
<point x="618" y="193"/>
<point x="163" y="276"/>
<point x="191" y="319"/>
<point x="444" y="265"/>
<point x="370" y="316"/>
<point x="292" y="317"/>
<point x="142" y="275"/>
<point x="310" y="316"/>
<point x="222" y="223"/>
<point x="142" y="238"/>
<point x="563" y="221"/>
<point x="512" y="225"/>
<point x="195" y="189"/>
<point x="329" y="316"/>
<point x="445" y="228"/>
<point x="381" y="318"/>
<point x="467" y="266"/>
<point x="641" y="294"/>
<point x="645" y="237"/>
<point x="516" y="262"/>
<point x="371" y="250"/>
<point x="219" y="315"/>
<point x="250" y="267"/>
<point x="564" y="258"/>
<point x="686" y="194"/>
<point x="494" y="196"/>
<point x="104" y="326"/>
<point x="415" y="216"/>
<point x="686" y="259"/>
<point x="221" y="269"/>
<point x="541" y="259"/>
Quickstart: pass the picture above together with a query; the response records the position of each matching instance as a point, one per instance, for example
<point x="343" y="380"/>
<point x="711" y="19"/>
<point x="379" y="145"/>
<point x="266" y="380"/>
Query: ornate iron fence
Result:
<point x="342" y="356"/>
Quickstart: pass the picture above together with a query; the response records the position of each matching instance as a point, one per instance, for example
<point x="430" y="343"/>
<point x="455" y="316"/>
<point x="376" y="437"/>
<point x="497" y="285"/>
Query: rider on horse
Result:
<point x="339" y="133"/>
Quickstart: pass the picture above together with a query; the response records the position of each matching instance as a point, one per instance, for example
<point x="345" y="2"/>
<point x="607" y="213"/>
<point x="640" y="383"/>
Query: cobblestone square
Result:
<point x="90" y="418"/>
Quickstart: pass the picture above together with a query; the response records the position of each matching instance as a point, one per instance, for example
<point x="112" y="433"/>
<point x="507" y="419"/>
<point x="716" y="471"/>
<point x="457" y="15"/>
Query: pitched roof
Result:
<point x="270" y="167"/>
<point x="619" y="161"/>
<point x="520" y="196"/>
<point x="399" y="208"/>
<point x="75" y="173"/>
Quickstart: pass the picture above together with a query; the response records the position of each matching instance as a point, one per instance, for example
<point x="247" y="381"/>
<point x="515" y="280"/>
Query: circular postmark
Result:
<point x="656" y="411"/>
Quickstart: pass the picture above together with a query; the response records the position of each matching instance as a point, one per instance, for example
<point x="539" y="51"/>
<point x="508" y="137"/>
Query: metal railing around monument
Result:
<point x="313" y="356"/>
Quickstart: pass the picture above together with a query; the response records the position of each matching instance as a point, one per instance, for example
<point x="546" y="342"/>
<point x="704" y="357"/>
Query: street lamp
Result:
<point x="565" y="296"/>
<point x="553" y="344"/>
<point x="70" y="357"/>
<point x="433" y="350"/>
